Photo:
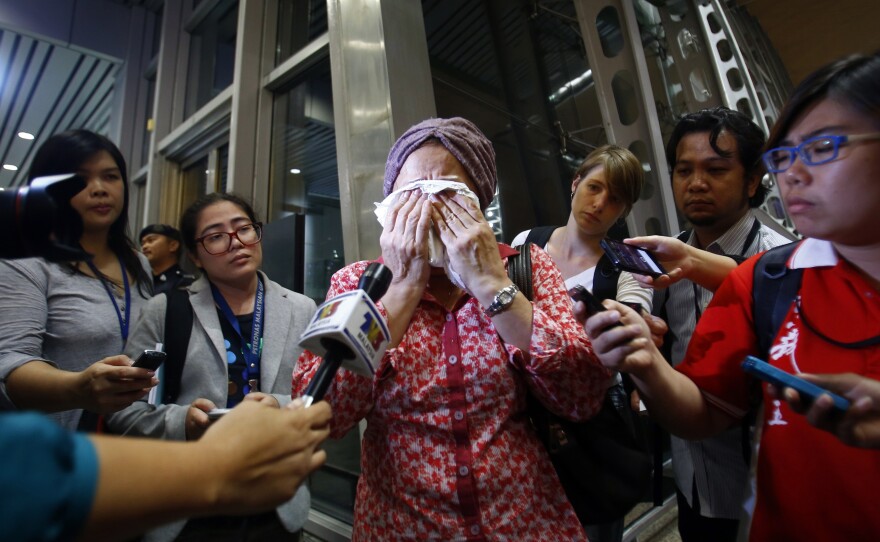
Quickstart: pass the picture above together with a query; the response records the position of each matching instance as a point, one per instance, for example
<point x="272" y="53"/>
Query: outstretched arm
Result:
<point x="671" y="397"/>
<point x="683" y="261"/>
<point x="251" y="460"/>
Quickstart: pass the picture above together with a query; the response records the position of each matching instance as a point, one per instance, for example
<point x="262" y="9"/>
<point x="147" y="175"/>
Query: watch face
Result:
<point x="506" y="297"/>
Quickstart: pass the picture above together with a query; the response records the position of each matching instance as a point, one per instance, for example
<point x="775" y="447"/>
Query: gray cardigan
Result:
<point x="205" y="372"/>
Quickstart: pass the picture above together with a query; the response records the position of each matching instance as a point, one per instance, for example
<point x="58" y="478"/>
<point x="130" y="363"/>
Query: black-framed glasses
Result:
<point x="220" y="242"/>
<point x="813" y="151"/>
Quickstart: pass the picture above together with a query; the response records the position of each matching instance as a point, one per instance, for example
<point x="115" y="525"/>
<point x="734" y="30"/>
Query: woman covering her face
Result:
<point x="825" y="153"/>
<point x="242" y="346"/>
<point x="448" y="452"/>
<point x="48" y="349"/>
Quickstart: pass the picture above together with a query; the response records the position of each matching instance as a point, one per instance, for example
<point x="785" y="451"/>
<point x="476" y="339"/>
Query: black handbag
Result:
<point x="605" y="463"/>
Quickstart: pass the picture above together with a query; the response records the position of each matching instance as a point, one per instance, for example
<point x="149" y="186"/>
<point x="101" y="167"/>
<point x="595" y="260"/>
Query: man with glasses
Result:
<point x="715" y="158"/>
<point x="161" y="244"/>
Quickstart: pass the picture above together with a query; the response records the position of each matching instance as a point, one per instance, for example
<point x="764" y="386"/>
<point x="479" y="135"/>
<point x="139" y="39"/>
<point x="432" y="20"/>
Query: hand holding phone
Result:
<point x="593" y="304"/>
<point x="217" y="413"/>
<point x="807" y="390"/>
<point x="631" y="258"/>
<point x="150" y="359"/>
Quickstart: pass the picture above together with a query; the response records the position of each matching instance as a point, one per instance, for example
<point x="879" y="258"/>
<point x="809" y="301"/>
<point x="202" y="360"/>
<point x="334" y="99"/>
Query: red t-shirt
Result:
<point x="810" y="486"/>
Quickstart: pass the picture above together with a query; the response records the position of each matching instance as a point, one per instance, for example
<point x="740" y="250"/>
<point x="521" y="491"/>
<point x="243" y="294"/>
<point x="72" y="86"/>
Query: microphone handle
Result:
<point x="320" y="383"/>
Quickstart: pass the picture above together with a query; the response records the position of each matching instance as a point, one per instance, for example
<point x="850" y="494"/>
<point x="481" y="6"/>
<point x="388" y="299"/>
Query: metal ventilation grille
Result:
<point x="47" y="88"/>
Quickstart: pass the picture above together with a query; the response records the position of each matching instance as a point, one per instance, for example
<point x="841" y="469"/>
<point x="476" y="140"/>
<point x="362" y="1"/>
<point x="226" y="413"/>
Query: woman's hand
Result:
<point x="470" y="244"/>
<point x="112" y="384"/>
<point x="197" y="421"/>
<point x="859" y="426"/>
<point x="404" y="241"/>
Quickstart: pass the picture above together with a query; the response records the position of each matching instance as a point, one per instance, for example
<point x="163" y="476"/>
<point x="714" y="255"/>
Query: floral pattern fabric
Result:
<point x="449" y="453"/>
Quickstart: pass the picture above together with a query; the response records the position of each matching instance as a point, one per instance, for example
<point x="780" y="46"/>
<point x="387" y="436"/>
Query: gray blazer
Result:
<point x="205" y="372"/>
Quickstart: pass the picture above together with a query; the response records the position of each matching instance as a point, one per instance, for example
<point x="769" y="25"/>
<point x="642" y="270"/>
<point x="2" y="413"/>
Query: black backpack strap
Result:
<point x="178" y="327"/>
<point x="519" y="269"/>
<point x="540" y="235"/>
<point x="605" y="279"/>
<point x="774" y="289"/>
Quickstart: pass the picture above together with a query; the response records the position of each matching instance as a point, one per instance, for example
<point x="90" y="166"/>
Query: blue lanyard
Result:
<point x="252" y="356"/>
<point x="123" y="318"/>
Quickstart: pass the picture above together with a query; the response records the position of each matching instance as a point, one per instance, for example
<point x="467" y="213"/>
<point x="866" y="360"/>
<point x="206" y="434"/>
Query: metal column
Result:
<point x="627" y="105"/>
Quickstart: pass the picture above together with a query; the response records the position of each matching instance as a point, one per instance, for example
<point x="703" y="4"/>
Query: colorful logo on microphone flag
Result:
<point x="371" y="328"/>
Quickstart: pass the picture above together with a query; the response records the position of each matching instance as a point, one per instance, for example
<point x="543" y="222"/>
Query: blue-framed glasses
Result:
<point x="813" y="151"/>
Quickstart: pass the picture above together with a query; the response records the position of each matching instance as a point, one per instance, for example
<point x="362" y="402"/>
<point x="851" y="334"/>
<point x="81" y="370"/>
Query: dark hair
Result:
<point x="622" y="170"/>
<point x="853" y="81"/>
<point x="190" y="218"/>
<point x="65" y="153"/>
<point x="748" y="136"/>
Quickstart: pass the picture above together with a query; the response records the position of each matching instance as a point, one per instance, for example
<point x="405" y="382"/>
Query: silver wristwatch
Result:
<point x="502" y="301"/>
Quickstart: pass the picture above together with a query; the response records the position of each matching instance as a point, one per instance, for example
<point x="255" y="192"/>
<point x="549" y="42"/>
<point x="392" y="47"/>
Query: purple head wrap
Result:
<point x="462" y="139"/>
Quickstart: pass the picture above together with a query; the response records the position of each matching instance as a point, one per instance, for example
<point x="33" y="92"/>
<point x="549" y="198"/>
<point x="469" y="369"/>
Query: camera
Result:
<point x="38" y="220"/>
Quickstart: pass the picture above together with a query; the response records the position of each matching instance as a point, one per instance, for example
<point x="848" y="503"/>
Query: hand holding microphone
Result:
<point x="348" y="331"/>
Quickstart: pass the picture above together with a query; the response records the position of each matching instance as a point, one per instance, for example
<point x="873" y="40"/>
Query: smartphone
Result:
<point x="593" y="303"/>
<point x="150" y="359"/>
<point x="631" y="258"/>
<point x="781" y="379"/>
<point x="217" y="413"/>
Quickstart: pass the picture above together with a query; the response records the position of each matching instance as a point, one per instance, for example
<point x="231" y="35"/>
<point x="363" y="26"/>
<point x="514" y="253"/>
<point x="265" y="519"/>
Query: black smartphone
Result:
<point x="593" y="303"/>
<point x="781" y="379"/>
<point x="631" y="258"/>
<point x="150" y="359"/>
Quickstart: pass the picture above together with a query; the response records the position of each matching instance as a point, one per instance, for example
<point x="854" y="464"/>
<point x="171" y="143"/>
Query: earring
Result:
<point x="572" y="194"/>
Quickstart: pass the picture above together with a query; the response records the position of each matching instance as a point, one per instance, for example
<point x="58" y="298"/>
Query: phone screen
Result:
<point x="631" y="258"/>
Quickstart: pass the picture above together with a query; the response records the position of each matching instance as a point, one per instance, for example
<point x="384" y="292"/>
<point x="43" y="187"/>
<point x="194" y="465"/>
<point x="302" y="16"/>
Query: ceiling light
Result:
<point x="296" y="171"/>
<point x="10" y="167"/>
<point x="25" y="135"/>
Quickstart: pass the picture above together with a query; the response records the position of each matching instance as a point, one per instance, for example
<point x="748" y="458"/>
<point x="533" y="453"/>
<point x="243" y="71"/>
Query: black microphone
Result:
<point x="348" y="331"/>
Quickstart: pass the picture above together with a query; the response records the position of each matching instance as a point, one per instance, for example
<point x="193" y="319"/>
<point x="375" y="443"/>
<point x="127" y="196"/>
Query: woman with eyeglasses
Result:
<point x="242" y="347"/>
<point x="52" y="358"/>
<point x="810" y="485"/>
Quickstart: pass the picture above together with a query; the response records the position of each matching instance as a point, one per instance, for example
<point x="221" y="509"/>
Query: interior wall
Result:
<point x="810" y="33"/>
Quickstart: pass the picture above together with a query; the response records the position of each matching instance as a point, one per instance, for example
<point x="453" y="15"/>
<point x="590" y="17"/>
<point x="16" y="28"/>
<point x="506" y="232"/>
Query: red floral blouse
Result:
<point x="449" y="453"/>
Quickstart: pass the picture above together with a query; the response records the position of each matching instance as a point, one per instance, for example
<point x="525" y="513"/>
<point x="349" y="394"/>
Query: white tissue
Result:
<point x="436" y="250"/>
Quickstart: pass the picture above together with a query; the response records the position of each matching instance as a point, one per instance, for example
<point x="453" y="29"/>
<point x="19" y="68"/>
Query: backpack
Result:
<point x="178" y="327"/>
<point x="604" y="464"/>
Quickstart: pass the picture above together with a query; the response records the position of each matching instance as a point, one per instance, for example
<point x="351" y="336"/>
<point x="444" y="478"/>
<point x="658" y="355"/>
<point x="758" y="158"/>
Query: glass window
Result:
<point x="195" y="181"/>
<point x="299" y="22"/>
<point x="211" y="56"/>
<point x="522" y="76"/>
<point x="304" y="181"/>
<point x="149" y="121"/>
<point x="304" y="177"/>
